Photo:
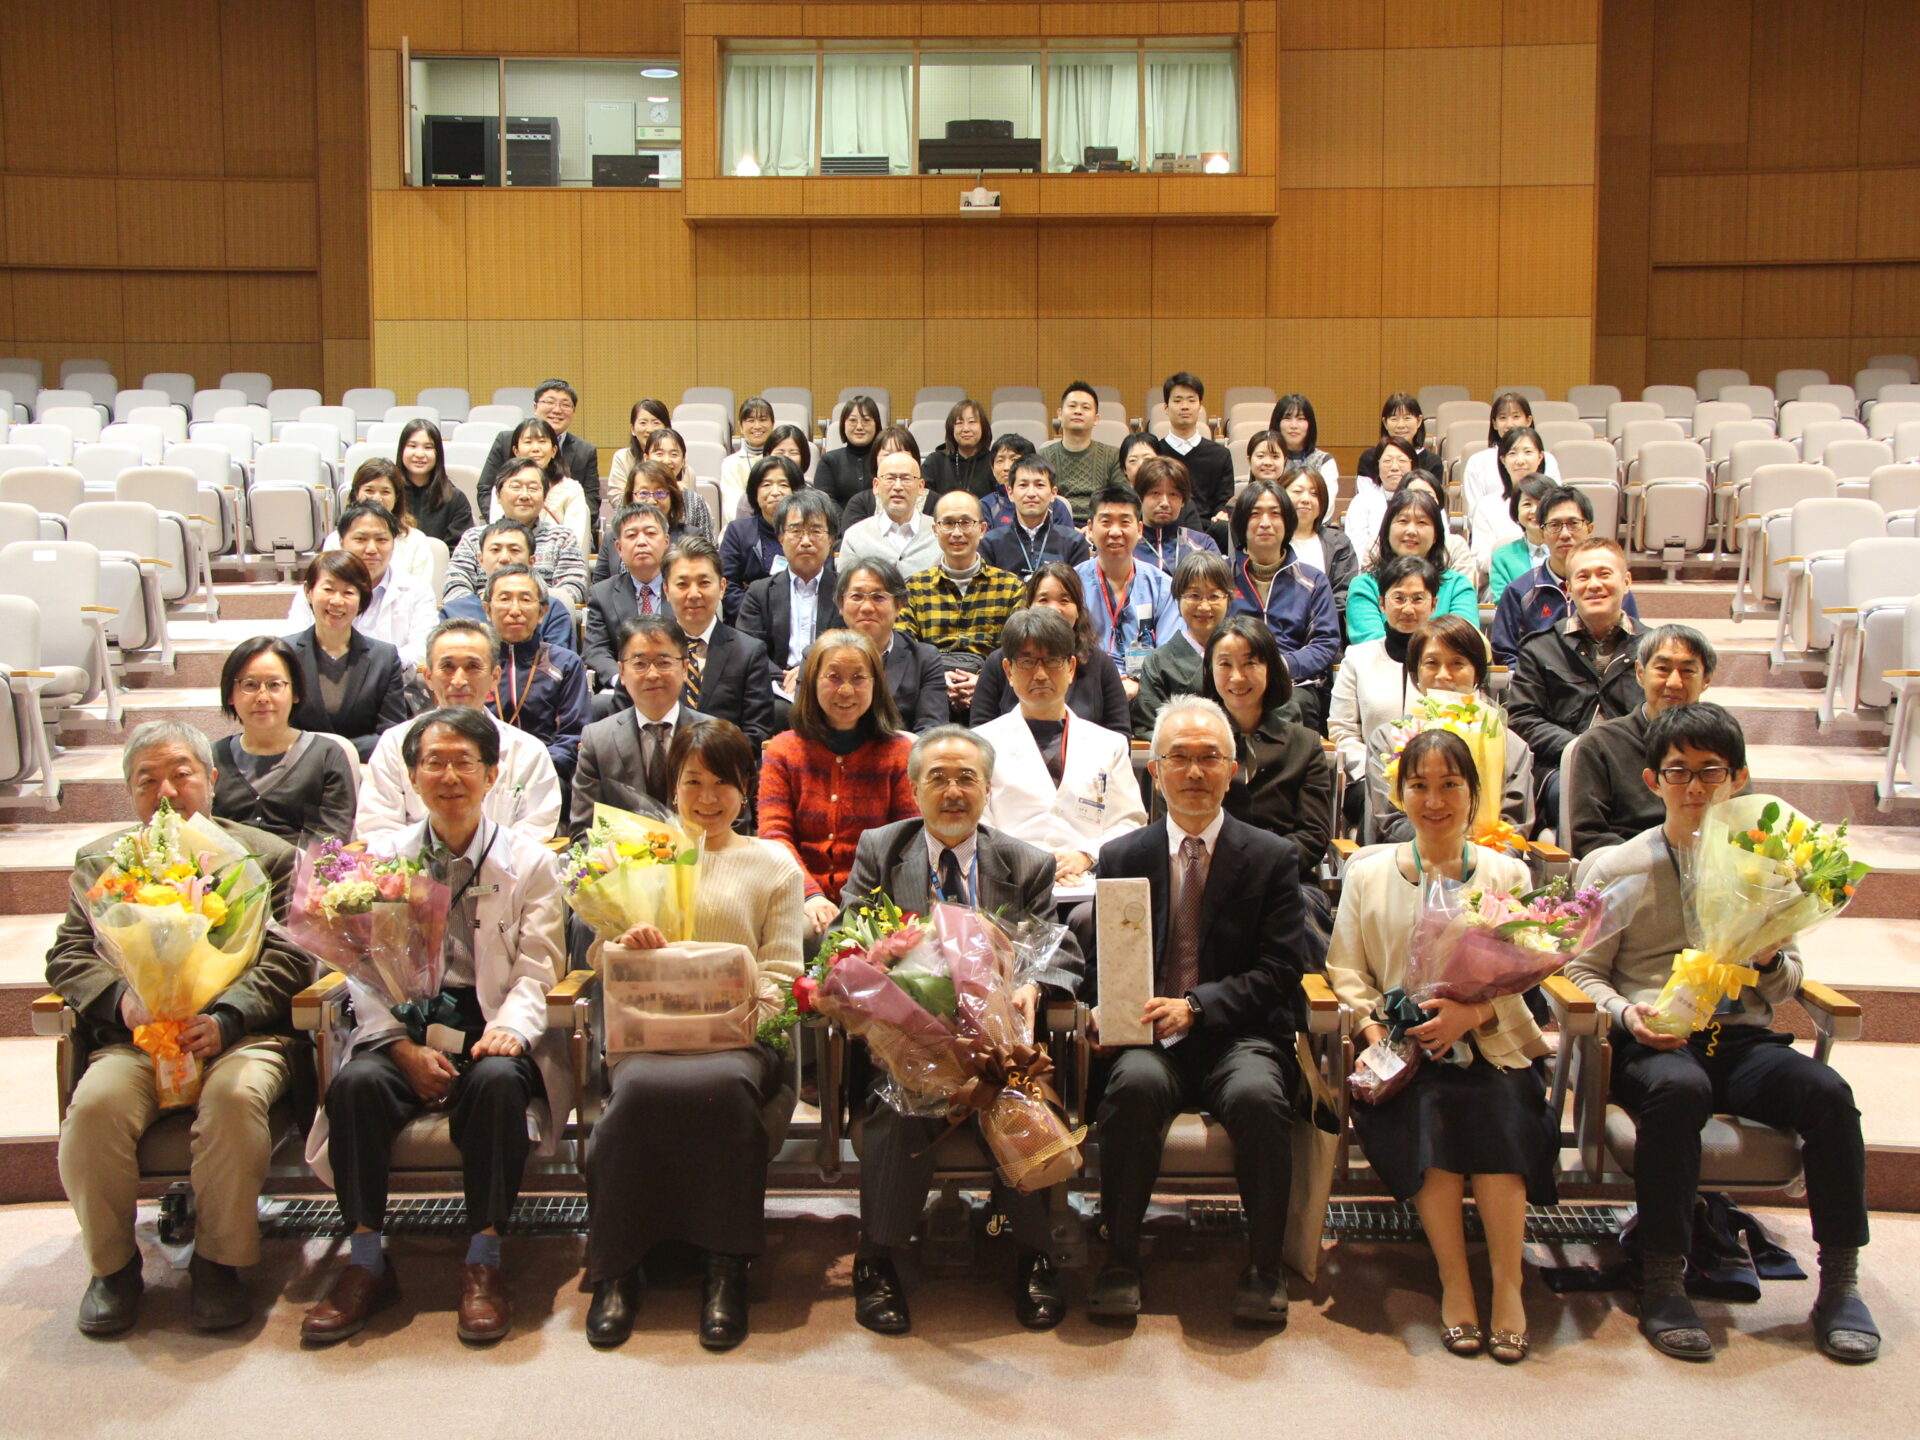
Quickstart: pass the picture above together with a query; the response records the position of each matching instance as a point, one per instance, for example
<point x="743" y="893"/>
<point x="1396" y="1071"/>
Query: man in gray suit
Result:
<point x="623" y="758"/>
<point x="947" y="849"/>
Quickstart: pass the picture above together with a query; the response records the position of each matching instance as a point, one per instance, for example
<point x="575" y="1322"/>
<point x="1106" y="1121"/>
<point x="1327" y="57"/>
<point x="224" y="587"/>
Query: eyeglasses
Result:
<point x="652" y="664"/>
<point x="1211" y="760"/>
<point x="805" y="532"/>
<point x="867" y="597"/>
<point x="642" y="497"/>
<point x="955" y="524"/>
<point x="1029" y="664"/>
<point x="941" y="780"/>
<point x="1708" y="775"/>
<point x="464" y="767"/>
<point x="1563" y="527"/>
<point x="270" y="687"/>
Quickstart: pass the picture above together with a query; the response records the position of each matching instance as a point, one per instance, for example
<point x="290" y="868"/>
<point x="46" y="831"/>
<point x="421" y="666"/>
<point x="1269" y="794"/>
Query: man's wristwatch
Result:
<point x="1193" y="1006"/>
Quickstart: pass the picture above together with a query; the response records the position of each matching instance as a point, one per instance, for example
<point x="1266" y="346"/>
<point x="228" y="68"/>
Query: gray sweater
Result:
<point x="1631" y="968"/>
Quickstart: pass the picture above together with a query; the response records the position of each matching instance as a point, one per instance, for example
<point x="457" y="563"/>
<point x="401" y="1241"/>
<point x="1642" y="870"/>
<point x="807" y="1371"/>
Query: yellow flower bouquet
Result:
<point x="1483" y="726"/>
<point x="633" y="870"/>
<point x="179" y="907"/>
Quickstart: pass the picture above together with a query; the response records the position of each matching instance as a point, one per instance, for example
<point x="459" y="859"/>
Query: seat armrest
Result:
<point x="52" y="1015"/>
<point x="1557" y="861"/>
<point x="1574" y="1011"/>
<point x="1834" y="1016"/>
<point x="561" y="999"/>
<point x="315" y="1006"/>
<point x="1323" y="1006"/>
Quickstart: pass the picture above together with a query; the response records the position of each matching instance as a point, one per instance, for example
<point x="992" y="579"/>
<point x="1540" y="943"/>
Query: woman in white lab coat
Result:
<point x="1059" y="781"/>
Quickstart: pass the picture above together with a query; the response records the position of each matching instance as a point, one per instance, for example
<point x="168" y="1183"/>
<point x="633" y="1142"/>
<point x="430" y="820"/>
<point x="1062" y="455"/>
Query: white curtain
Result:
<point x="1091" y="102"/>
<point x="867" y="108"/>
<point x="768" y="115"/>
<point x="1192" y="107"/>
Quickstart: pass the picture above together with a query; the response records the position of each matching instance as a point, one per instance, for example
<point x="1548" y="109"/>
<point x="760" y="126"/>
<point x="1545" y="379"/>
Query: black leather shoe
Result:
<point x="879" y="1300"/>
<point x="615" y="1304"/>
<point x="1261" y="1298"/>
<point x="112" y="1302"/>
<point x="1038" y="1302"/>
<point x="723" y="1313"/>
<point x="220" y="1299"/>
<point x="1115" y="1290"/>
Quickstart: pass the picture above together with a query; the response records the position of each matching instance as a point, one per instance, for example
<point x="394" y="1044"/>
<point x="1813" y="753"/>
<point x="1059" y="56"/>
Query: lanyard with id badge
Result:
<point x="1132" y="651"/>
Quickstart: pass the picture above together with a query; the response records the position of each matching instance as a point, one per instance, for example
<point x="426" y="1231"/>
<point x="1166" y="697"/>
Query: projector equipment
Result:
<point x="626" y="170"/>
<point x="533" y="150"/>
<point x="460" y="150"/>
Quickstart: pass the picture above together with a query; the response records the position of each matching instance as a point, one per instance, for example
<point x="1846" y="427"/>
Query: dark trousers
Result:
<point x="370" y="1102"/>
<point x="1754" y="1073"/>
<point x="896" y="1171"/>
<point x="1245" y="1082"/>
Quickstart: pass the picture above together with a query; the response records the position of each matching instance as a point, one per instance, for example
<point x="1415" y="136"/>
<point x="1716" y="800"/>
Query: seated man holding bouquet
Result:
<point x="502" y="949"/>
<point x="242" y="1038"/>
<point x="947" y="854"/>
<point x="1696" y="755"/>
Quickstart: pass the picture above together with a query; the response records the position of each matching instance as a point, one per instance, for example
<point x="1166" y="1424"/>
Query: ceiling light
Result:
<point x="660" y="72"/>
<point x="659" y="99"/>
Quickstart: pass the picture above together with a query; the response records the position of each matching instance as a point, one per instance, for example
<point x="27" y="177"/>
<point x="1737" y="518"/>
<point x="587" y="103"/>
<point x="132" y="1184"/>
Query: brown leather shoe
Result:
<point x="357" y="1294"/>
<point x="485" y="1313"/>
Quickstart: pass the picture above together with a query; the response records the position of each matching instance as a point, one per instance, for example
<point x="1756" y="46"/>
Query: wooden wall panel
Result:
<point x="885" y="21"/>
<point x="622" y="360"/>
<point x="1418" y="23"/>
<point x="1337" y="364"/>
<point x="751" y="354"/>
<point x="1890" y="58"/>
<point x="1448" y="262"/>
<point x="523" y="255"/>
<point x="270" y="224"/>
<point x="1438" y="352"/>
<point x="979" y="274"/>
<point x="58" y="97"/>
<point x="1700" y="85"/>
<point x="1324" y="256"/>
<point x="427" y="24"/>
<point x="1112" y="19"/>
<point x="1114" y="349"/>
<point x="178" y="307"/>
<point x="1331" y="25"/>
<point x="636" y="255"/>
<point x="417" y="353"/>
<point x="1095" y="270"/>
<point x="1699" y="218"/>
<point x="1209" y="270"/>
<point x="1806" y="84"/>
<point x="510" y="27"/>
<point x="620" y="27"/>
<point x="519" y="352"/>
<point x="1890" y="217"/>
<point x="69" y="304"/>
<point x="167" y="87"/>
<point x="886" y="352"/>
<point x="1550" y="22"/>
<point x="1260" y="105"/>
<point x="1553" y="353"/>
<point x="1886" y="299"/>
<point x="1452" y="136"/>
<point x="1332" y="117"/>
<point x="419" y="246"/>
<point x="1224" y="350"/>
<point x="178" y="223"/>
<point x="876" y="271"/>
<point x="1787" y="301"/>
<point x="383" y="117"/>
<point x="279" y="308"/>
<point x="981" y="357"/>
<point x="1803" y="216"/>
<point x="1546" y="240"/>
<point x="979" y="19"/>
<point x="6" y="300"/>
<point x="296" y="366"/>
<point x="1622" y="360"/>
<point x="1678" y="362"/>
<point x="57" y="221"/>
<point x="1767" y="357"/>
<point x="763" y="273"/>
<point x="1560" y="153"/>
<point x="267" y="87"/>
<point x="704" y="20"/>
<point x="1623" y="197"/>
<point x="1706" y="303"/>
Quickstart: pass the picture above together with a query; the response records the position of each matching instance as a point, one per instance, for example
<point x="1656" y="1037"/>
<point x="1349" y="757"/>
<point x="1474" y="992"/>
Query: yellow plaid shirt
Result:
<point x="954" y="623"/>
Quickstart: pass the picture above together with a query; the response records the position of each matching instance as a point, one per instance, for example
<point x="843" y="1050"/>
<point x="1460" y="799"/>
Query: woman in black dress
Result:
<point x="288" y="782"/>
<point x="438" y="509"/>
<point x="1484" y="1121"/>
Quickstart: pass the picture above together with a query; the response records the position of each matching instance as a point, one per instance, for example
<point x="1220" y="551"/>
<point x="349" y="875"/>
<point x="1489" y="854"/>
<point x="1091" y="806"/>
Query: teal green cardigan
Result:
<point x="1365" y="622"/>
<point x="1510" y="562"/>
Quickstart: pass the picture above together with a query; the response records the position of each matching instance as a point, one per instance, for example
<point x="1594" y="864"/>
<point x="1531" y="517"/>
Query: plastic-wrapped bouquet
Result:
<point x="933" y="999"/>
<point x="381" y="921"/>
<point x="1760" y="874"/>
<point x="180" y="908"/>
<point x="633" y="870"/>
<point x="1483" y="727"/>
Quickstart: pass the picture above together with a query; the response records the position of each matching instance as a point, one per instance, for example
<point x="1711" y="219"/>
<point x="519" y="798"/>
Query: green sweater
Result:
<point x="1365" y="622"/>
<point x="1510" y="562"/>
<point x="1082" y="474"/>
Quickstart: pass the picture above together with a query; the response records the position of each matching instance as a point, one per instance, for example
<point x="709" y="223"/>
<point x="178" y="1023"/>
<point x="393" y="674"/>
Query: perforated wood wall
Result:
<point x="1760" y="186"/>
<point x="184" y="187"/>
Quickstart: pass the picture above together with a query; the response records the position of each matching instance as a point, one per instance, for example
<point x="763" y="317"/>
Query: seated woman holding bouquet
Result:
<point x="1673" y="1083"/>
<point x="503" y="950"/>
<point x="1475" y="1108"/>
<point x="839" y="772"/>
<point x="1446" y="660"/>
<point x="680" y="1152"/>
<point x="286" y="781"/>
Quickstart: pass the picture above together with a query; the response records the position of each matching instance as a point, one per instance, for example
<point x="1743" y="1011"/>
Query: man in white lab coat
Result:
<point x="460" y="669"/>
<point x="1060" y="781"/>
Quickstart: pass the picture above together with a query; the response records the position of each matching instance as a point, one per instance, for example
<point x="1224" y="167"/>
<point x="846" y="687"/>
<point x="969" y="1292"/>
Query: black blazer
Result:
<point x="918" y="683"/>
<point x="610" y="604"/>
<point x="609" y="767"/>
<point x="736" y="683"/>
<point x="1096" y="695"/>
<point x="582" y="462"/>
<point x="311" y="796"/>
<point x="767" y="613"/>
<point x="1252" y="920"/>
<point x="376" y="697"/>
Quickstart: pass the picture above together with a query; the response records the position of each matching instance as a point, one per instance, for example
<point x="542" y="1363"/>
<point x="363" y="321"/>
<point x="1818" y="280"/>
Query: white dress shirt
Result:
<point x="963" y="855"/>
<point x="804" y="598"/>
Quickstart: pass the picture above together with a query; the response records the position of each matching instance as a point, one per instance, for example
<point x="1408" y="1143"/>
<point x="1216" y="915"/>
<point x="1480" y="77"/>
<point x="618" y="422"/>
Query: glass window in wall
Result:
<point x="866" y="114"/>
<point x="1093" y="110"/>
<point x="766" y="114"/>
<point x="456" y="122"/>
<point x="1193" y="110"/>
<point x="979" y="111"/>
<point x="593" y="122"/>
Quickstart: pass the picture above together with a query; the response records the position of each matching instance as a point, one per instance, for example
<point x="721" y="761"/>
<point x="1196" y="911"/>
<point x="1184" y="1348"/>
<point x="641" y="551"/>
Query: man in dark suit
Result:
<point x="639" y="538"/>
<point x="243" y="1036"/>
<point x="1227" y="926"/>
<point x="870" y="595"/>
<point x="554" y="401"/>
<point x="623" y="758"/>
<point x="952" y="771"/>
<point x="728" y="674"/>
<point x="769" y="611"/>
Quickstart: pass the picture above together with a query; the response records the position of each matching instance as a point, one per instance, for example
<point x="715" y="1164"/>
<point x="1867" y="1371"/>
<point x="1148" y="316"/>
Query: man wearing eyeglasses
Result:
<point x="1694" y="756"/>
<point x="1538" y="599"/>
<point x="786" y="609"/>
<point x="899" y="531"/>
<point x="959" y="605"/>
<point x="555" y="402"/>
<point x="1579" y="670"/>
<point x="1227" y="926"/>
<point x="623" y="758"/>
<point x="1606" y="799"/>
<point x="639" y="534"/>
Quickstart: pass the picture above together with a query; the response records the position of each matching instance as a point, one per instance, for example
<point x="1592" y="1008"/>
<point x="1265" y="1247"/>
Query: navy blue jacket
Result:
<point x="543" y="690"/>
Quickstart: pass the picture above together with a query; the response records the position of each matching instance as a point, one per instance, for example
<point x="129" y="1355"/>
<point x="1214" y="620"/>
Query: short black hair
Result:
<point x="1702" y="725"/>
<point x="1015" y="443"/>
<point x="693" y="550"/>
<point x="656" y="624"/>
<point x="782" y="433"/>
<point x="1537" y="488"/>
<point x="885" y="571"/>
<point x="755" y="405"/>
<point x="721" y="746"/>
<point x="545" y="385"/>
<point x="629" y="512"/>
<point x="508" y="572"/>
<point x="1409" y="567"/>
<point x="470" y="724"/>
<point x="1038" y="627"/>
<point x="366" y="510"/>
<point x="1182" y="379"/>
<point x="771" y="467"/>
<point x="1115" y="495"/>
<point x="1296" y="404"/>
<point x="514" y="464"/>
<point x="1199" y="567"/>
<point x="1458" y="757"/>
<point x="250" y="650"/>
<point x="1565" y="495"/>
<point x="1259" y="638"/>
<point x="1654" y="638"/>
<point x="1242" y="513"/>
<point x="504" y="526"/>
<point x="808" y="504"/>
<point x="1083" y="387"/>
<point x="1031" y="464"/>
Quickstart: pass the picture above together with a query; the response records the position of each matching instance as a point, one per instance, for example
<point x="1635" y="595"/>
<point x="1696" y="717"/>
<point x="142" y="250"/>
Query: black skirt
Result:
<point x="1476" y="1119"/>
<point x="680" y="1154"/>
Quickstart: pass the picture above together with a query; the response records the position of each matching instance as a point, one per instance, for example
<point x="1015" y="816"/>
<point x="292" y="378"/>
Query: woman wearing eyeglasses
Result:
<point x="288" y="782"/>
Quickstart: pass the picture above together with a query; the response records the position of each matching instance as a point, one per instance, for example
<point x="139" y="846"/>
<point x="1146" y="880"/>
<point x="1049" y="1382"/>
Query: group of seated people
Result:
<point x="901" y="713"/>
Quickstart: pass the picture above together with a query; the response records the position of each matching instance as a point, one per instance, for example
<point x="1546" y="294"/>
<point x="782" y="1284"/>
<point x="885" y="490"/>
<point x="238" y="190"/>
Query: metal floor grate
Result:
<point x="1387" y="1220"/>
<point x="299" y="1217"/>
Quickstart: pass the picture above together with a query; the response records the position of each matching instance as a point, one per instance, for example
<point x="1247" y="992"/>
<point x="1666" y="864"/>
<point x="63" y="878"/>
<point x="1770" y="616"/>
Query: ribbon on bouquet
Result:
<point x="1400" y="1013"/>
<point x="1694" y="990"/>
<point x="419" y="1016"/>
<point x="992" y="1068"/>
